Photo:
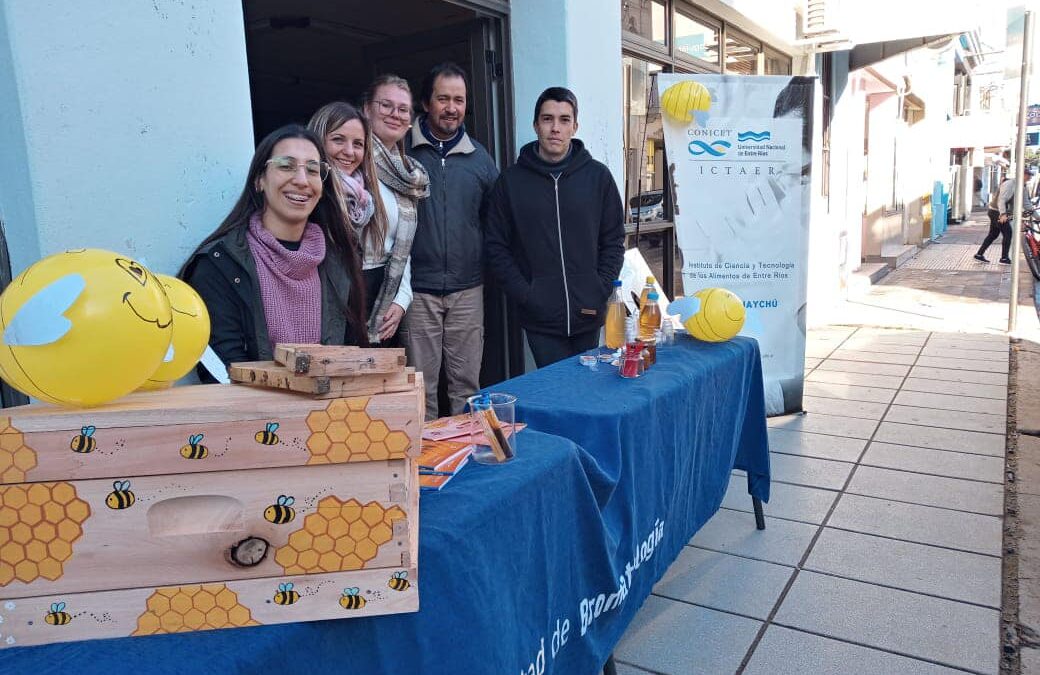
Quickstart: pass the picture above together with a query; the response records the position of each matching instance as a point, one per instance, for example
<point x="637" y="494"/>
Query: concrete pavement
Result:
<point x="885" y="547"/>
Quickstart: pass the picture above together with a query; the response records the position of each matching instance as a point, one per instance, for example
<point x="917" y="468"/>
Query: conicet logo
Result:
<point x="715" y="148"/>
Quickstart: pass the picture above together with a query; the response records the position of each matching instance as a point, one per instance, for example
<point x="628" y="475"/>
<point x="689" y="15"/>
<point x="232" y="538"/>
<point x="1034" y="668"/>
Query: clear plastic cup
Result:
<point x="493" y="432"/>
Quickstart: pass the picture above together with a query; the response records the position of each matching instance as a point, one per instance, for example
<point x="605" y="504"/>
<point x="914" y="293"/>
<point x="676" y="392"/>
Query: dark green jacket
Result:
<point x="448" y="250"/>
<point x="224" y="275"/>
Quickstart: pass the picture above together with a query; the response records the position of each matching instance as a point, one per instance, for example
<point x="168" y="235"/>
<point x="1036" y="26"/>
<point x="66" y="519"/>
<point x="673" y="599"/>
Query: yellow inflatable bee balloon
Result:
<point x="720" y="318"/>
<point x="710" y="314"/>
<point x="190" y="333"/>
<point x="83" y="327"/>
<point x="684" y="101"/>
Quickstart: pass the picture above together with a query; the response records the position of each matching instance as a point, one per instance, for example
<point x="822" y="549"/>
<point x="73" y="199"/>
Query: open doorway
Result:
<point x="310" y="52"/>
<point x="304" y="55"/>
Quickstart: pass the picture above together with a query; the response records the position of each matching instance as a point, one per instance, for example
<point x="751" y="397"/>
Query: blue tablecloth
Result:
<point x="537" y="566"/>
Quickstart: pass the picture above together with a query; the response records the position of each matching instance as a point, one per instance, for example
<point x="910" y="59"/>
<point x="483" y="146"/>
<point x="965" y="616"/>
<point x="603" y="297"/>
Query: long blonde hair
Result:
<point x="327" y="119"/>
<point x="386" y="80"/>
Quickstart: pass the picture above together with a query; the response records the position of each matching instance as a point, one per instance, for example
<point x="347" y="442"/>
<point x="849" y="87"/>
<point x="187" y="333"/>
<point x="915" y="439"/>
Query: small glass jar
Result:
<point x="649" y="353"/>
<point x="631" y="364"/>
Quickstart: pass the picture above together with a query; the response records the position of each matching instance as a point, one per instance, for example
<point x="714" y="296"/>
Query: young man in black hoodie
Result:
<point x="555" y="236"/>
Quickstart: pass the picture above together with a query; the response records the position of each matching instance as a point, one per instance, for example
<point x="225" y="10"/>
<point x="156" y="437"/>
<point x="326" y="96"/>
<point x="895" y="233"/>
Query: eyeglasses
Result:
<point x="387" y="108"/>
<point x="290" y="165"/>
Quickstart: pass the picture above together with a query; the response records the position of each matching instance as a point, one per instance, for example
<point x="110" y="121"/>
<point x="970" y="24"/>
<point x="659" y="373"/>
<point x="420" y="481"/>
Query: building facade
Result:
<point x="131" y="126"/>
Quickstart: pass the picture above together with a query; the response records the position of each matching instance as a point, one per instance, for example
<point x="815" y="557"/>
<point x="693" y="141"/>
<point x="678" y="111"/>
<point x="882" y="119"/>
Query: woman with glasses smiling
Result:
<point x="282" y="266"/>
<point x="402" y="183"/>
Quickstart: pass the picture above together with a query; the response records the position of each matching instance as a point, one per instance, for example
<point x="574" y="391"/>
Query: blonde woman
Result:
<point x="347" y="141"/>
<point x="402" y="182"/>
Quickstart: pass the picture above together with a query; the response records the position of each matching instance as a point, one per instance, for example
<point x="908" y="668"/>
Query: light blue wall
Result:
<point x="16" y="198"/>
<point x="575" y="44"/>
<point x="126" y="125"/>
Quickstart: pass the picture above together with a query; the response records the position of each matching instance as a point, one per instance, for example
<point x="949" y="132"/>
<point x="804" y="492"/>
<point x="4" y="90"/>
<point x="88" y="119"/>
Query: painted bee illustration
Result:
<point x="351" y="599"/>
<point x="268" y="435"/>
<point x="85" y="441"/>
<point x="57" y="616"/>
<point x="286" y="595"/>
<point x="281" y="512"/>
<point x="120" y="497"/>
<point x="194" y="449"/>
<point x="399" y="581"/>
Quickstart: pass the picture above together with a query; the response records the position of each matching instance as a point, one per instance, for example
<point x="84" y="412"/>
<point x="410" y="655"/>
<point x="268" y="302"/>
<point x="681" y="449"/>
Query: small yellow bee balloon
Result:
<point x="83" y="327"/>
<point x="684" y="100"/>
<point x="720" y="317"/>
<point x="190" y="333"/>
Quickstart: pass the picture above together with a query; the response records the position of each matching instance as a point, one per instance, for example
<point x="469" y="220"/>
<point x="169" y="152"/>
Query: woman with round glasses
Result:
<point x="282" y="266"/>
<point x="402" y="183"/>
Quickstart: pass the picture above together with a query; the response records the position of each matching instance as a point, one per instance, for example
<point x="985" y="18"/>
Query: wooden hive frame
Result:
<point x="125" y="516"/>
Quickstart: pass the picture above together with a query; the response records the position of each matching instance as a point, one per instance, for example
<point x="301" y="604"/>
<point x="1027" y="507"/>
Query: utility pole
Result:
<point x="1020" y="169"/>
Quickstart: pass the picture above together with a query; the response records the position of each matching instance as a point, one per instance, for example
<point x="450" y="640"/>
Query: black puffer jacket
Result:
<point x="447" y="255"/>
<point x="555" y="239"/>
<point x="224" y="275"/>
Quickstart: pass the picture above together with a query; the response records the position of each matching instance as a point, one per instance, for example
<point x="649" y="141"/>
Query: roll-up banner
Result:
<point x="739" y="154"/>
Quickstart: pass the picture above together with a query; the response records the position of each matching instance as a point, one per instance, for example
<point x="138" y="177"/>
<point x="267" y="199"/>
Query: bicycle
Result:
<point x="1031" y="239"/>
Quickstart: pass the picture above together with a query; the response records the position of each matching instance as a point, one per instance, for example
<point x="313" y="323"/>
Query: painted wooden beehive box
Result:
<point x="204" y="507"/>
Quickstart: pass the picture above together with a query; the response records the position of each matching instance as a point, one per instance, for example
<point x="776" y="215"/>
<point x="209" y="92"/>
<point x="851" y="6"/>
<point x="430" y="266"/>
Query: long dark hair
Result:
<point x="339" y="240"/>
<point x="327" y="119"/>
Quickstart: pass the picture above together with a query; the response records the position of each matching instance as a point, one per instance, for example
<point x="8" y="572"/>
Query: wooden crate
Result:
<point x="335" y="361"/>
<point x="272" y="375"/>
<point x="121" y="520"/>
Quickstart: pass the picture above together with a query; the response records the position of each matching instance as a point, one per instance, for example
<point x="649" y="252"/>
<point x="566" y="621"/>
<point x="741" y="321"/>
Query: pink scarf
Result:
<point x="290" y="287"/>
<point x="359" y="202"/>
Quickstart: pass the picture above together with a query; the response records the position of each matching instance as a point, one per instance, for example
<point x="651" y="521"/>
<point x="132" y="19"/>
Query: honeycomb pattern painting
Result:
<point x="339" y="536"/>
<point x="344" y="432"/>
<point x="16" y="458"/>
<point x="181" y="609"/>
<point x="39" y="523"/>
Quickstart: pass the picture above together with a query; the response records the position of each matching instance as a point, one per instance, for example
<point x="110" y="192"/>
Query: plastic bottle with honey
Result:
<point x="615" y="325"/>
<point x="646" y="292"/>
<point x="649" y="317"/>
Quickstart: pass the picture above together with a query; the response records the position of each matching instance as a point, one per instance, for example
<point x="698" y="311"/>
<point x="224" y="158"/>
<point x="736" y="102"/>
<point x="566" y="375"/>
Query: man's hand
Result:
<point x="391" y="320"/>
<point x="1002" y="218"/>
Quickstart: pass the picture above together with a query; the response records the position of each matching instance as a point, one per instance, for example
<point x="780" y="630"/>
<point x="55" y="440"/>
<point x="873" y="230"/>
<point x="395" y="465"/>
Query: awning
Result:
<point x="891" y="20"/>
<point x="879" y="29"/>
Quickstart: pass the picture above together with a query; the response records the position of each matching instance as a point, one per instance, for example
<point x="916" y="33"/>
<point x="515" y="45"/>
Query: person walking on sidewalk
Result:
<point x="445" y="322"/>
<point x="999" y="212"/>
<point x="555" y="234"/>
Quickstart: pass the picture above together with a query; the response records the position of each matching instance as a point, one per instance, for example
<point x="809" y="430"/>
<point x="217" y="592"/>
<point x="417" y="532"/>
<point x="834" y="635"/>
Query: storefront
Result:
<point x="154" y="109"/>
<point x="672" y="36"/>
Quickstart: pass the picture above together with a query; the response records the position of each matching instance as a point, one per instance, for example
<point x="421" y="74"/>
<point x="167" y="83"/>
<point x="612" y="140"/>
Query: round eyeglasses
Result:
<point x="290" y="166"/>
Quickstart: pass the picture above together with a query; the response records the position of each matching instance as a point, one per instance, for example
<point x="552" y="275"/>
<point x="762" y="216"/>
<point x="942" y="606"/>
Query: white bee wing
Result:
<point x="685" y="307"/>
<point x="215" y="366"/>
<point x="39" y="321"/>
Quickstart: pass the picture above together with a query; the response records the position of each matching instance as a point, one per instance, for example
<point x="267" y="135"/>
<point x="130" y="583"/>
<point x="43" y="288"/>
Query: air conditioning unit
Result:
<point x="823" y="26"/>
<point x="821" y="18"/>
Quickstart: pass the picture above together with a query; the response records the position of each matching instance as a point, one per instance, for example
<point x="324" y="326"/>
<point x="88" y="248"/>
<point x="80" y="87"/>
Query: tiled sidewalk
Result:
<point x="882" y="546"/>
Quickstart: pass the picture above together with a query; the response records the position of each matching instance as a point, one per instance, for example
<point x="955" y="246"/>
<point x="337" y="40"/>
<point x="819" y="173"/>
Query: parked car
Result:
<point x="647" y="206"/>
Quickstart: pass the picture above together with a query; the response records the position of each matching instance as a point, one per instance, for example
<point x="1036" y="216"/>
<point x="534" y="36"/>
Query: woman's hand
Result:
<point x="391" y="321"/>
